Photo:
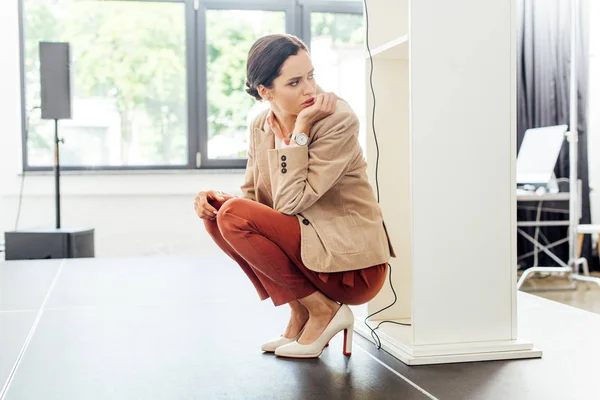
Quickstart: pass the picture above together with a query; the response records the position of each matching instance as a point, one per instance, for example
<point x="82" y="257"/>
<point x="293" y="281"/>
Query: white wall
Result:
<point x="594" y="109"/>
<point x="133" y="214"/>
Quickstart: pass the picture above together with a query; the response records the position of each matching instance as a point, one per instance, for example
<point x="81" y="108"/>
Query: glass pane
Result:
<point x="229" y="36"/>
<point x="337" y="49"/>
<point x="129" y="82"/>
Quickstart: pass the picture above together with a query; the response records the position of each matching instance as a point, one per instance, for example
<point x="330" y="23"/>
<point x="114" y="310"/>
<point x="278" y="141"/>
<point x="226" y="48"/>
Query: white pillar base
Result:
<point x="397" y="341"/>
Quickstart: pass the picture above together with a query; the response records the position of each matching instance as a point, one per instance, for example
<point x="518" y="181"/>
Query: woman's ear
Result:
<point x="264" y="93"/>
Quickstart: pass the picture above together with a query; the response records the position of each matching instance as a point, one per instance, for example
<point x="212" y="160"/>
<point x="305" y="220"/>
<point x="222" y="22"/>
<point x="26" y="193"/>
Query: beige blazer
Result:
<point x="325" y="186"/>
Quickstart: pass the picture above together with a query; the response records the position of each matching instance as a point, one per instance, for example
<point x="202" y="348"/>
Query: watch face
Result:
<point x="301" y="139"/>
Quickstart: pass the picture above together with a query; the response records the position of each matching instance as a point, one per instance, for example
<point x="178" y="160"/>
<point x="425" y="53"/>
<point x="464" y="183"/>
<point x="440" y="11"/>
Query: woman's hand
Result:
<point x="323" y="107"/>
<point x="202" y="205"/>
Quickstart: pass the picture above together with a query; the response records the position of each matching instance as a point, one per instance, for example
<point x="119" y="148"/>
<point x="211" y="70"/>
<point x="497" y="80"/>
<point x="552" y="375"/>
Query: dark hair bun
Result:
<point x="252" y="91"/>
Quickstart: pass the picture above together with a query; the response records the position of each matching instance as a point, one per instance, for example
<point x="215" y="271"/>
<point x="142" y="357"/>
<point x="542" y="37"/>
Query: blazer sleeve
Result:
<point x="310" y="171"/>
<point x="247" y="188"/>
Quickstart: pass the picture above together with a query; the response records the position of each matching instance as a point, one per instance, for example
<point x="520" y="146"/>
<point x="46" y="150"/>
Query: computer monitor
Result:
<point x="538" y="154"/>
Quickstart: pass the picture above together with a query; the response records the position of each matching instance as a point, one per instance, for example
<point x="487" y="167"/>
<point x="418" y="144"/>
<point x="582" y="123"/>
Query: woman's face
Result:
<point x="294" y="89"/>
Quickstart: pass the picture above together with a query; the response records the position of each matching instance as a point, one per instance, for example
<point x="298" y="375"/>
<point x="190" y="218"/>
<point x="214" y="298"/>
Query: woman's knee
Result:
<point x="231" y="207"/>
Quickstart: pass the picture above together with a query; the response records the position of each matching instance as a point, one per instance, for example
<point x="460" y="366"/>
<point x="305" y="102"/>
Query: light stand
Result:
<point x="57" y="142"/>
<point x="574" y="188"/>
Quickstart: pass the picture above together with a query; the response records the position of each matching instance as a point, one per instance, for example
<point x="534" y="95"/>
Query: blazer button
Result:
<point x="284" y="164"/>
<point x="283" y="171"/>
<point x="305" y="221"/>
<point x="283" y="158"/>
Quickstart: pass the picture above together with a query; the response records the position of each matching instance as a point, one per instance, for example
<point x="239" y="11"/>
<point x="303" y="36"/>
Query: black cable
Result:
<point x="3" y="245"/>
<point x="373" y="94"/>
<point x="20" y="200"/>
<point x="373" y="334"/>
<point x="23" y="175"/>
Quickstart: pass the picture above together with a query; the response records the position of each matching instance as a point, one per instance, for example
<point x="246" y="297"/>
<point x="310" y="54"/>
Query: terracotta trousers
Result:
<point x="266" y="245"/>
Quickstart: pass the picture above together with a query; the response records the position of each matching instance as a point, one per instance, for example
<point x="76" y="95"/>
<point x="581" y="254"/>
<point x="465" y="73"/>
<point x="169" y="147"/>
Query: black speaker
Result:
<point x="55" y="80"/>
<point x="35" y="244"/>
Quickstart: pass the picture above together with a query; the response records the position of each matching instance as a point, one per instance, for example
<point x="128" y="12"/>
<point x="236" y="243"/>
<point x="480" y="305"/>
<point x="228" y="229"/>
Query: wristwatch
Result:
<point x="300" y="138"/>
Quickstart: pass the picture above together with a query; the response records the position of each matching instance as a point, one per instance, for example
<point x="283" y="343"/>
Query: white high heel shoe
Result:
<point x="343" y="320"/>
<point x="270" y="347"/>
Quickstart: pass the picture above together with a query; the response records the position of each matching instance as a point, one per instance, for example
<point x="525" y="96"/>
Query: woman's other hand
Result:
<point x="323" y="106"/>
<point x="202" y="206"/>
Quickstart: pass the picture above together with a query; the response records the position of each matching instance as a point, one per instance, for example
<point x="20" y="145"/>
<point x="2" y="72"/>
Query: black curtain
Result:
<point x="543" y="74"/>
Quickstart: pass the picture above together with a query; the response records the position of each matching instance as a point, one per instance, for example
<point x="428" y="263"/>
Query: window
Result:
<point x="229" y="36"/>
<point x="337" y="48"/>
<point x="161" y="84"/>
<point x="128" y="78"/>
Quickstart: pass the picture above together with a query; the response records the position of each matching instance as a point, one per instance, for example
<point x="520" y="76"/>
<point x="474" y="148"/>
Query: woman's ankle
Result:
<point x="297" y="307"/>
<point x="318" y="304"/>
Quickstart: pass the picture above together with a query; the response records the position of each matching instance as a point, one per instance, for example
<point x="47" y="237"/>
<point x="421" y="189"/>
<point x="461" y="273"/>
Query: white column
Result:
<point x="446" y="123"/>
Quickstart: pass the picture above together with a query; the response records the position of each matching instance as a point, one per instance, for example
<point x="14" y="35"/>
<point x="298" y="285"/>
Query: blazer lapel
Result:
<point x="265" y="141"/>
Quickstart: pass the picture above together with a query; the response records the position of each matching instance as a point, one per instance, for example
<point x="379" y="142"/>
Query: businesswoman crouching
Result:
<point x="308" y="231"/>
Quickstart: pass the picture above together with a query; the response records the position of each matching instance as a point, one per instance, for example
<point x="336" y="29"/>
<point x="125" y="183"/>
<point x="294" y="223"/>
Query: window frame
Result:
<point x="297" y="22"/>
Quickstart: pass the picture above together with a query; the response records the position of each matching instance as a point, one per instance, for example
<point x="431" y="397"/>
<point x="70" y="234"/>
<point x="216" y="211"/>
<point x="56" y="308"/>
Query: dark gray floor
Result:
<point x="185" y="328"/>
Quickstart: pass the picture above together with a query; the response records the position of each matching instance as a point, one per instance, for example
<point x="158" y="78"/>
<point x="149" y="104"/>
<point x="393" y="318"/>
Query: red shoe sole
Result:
<point x="346" y="338"/>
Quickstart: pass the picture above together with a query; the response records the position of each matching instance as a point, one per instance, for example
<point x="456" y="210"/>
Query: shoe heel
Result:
<point x="348" y="332"/>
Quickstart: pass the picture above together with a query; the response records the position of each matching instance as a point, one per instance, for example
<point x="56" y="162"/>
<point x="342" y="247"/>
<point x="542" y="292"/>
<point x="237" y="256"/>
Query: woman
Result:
<point x="308" y="231"/>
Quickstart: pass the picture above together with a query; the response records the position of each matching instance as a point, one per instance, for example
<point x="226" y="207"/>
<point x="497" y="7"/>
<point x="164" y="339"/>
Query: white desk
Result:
<point x="530" y="196"/>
